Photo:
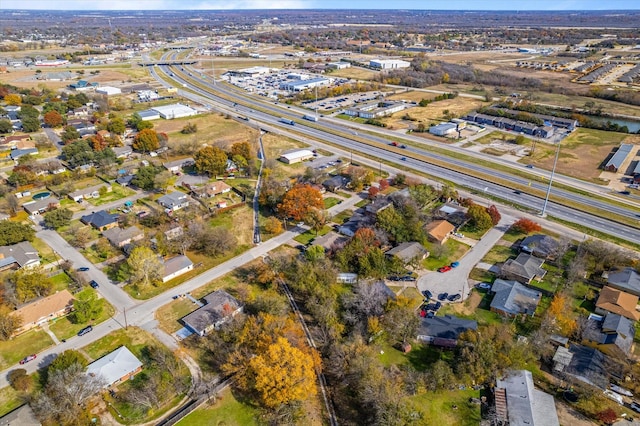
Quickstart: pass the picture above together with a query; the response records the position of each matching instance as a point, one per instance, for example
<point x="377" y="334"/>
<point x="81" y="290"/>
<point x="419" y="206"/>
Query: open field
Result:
<point x="212" y="129"/>
<point x="581" y="153"/>
<point x="356" y="73"/>
<point x="227" y="411"/>
<point x="433" y="113"/>
<point x="26" y="78"/>
<point x="222" y="65"/>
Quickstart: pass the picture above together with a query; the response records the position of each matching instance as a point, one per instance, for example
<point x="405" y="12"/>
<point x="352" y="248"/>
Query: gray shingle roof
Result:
<point x="525" y="266"/>
<point x="626" y="280"/>
<point x="220" y="305"/>
<point x="407" y="251"/>
<point x="446" y="327"/>
<point x="514" y="298"/>
<point x="99" y="219"/>
<point x="527" y="406"/>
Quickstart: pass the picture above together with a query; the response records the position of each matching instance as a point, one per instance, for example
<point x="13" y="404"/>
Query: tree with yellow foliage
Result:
<point x="283" y="374"/>
<point x="560" y="313"/>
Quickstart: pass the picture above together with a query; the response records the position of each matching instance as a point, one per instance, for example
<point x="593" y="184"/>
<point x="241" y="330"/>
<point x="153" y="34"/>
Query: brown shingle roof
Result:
<point x="439" y="229"/>
<point x="35" y="311"/>
<point x="618" y="302"/>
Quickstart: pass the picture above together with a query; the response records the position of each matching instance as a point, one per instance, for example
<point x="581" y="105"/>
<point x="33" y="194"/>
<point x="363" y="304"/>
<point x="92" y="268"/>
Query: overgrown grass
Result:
<point x="9" y="400"/>
<point x="227" y="411"/>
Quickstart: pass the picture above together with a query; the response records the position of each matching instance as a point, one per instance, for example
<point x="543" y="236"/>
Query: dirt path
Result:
<point x="568" y="416"/>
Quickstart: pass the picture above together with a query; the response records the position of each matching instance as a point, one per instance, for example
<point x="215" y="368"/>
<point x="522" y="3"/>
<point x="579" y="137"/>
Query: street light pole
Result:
<point x="543" y="213"/>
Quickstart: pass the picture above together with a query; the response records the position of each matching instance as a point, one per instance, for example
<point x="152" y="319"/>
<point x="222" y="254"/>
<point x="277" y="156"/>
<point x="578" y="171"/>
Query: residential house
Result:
<point x="173" y="233"/>
<point x="617" y="302"/>
<point x="34" y="208"/>
<point x="439" y="231"/>
<point x="175" y="267"/>
<point x="115" y="367"/>
<point x="377" y="205"/>
<point x="335" y="183"/>
<point x="122" y="151"/>
<point x="101" y="220"/>
<point x="512" y="298"/>
<point x="124" y="180"/>
<point x="354" y="223"/>
<point x="540" y="245"/>
<point x="83" y="86"/>
<point x="177" y="165"/>
<point x="25" y="144"/>
<point x="519" y="403"/>
<point x="174" y="201"/>
<point x="21" y="416"/>
<point x="455" y="214"/>
<point x="583" y="363"/>
<point x="346" y="278"/>
<point x="17" y="153"/>
<point x="523" y="268"/>
<point x="43" y="310"/>
<point x="627" y="280"/>
<point x="408" y="252"/>
<point x="219" y="308"/>
<point x="209" y="190"/>
<point x="330" y="241"/>
<point x="89" y="192"/>
<point x="444" y="330"/>
<point x="612" y="333"/>
<point x="12" y="141"/>
<point x="120" y="237"/>
<point x="17" y="256"/>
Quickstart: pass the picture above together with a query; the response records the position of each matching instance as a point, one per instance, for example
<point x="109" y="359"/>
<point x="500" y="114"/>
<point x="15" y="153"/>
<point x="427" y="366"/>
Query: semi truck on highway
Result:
<point x="287" y="121"/>
<point x="310" y="117"/>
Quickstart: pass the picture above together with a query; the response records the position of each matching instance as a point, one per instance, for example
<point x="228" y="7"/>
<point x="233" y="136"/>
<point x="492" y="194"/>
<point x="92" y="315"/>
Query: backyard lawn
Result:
<point x="117" y="192"/>
<point x="448" y="407"/>
<point x="227" y="411"/>
<point x="134" y="338"/>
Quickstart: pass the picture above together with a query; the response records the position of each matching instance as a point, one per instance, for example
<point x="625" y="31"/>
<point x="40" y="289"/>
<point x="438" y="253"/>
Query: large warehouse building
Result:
<point x="388" y="64"/>
<point x="169" y="112"/>
<point x="296" y="156"/>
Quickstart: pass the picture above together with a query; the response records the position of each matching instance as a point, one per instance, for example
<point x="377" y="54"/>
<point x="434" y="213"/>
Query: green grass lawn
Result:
<point x="31" y="342"/>
<point x="169" y="314"/>
<point x="9" y="400"/>
<point x="331" y="201"/>
<point x="63" y="328"/>
<point x="438" y="407"/>
<point x="342" y="217"/>
<point x="98" y="257"/>
<point x="389" y="355"/>
<point x="498" y="254"/>
<point x="227" y="411"/>
<point x="443" y="255"/>
<point x="306" y="237"/>
<point x="344" y="194"/>
<point x="46" y="253"/>
<point x="133" y="338"/>
<point x="362" y="203"/>
<point x="61" y="281"/>
<point x="117" y="192"/>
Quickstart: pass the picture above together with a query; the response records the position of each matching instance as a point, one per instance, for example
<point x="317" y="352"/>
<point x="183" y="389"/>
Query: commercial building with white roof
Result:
<point x="169" y="112"/>
<point x="296" y="156"/>
<point x="387" y="64"/>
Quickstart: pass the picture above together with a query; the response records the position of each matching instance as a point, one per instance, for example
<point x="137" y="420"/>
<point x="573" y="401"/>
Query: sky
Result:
<point x="319" y="4"/>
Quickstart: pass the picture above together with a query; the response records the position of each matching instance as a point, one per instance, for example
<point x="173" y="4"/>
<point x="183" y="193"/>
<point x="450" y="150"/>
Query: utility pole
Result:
<point x="543" y="213"/>
<point x="126" y="326"/>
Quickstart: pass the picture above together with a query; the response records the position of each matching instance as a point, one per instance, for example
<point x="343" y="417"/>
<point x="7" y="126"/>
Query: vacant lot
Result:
<point x="212" y="129"/>
<point x="581" y="153"/>
<point x="434" y="113"/>
<point x="355" y="73"/>
<point x="26" y="78"/>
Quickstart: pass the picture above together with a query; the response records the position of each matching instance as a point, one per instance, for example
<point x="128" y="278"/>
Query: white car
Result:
<point x="614" y="396"/>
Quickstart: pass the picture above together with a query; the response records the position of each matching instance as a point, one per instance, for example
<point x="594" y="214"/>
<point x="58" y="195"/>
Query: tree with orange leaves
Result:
<point x="560" y="313"/>
<point x="299" y="201"/>
<point x="526" y="226"/>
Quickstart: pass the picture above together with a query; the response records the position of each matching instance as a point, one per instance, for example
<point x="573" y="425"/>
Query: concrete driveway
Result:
<point x="456" y="281"/>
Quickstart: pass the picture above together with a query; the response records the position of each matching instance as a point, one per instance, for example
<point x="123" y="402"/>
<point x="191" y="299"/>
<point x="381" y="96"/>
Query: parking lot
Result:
<point x="344" y="101"/>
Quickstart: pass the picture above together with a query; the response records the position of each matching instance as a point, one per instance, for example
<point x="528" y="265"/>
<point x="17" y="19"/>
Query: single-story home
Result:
<point x="21" y="416"/>
<point x="444" y="330"/>
<point x="355" y="222"/>
<point x="512" y="298"/>
<point x="34" y="208"/>
<point x="612" y="331"/>
<point x="17" y="256"/>
<point x="627" y="280"/>
<point x="335" y="183"/>
<point x="177" y="165"/>
<point x="219" y="308"/>
<point x="17" y="153"/>
<point x="377" y="205"/>
<point x="173" y="233"/>
<point x="439" y="231"/>
<point x="122" y="151"/>
<point x="101" y="220"/>
<point x="617" y="302"/>
<point x="584" y="363"/>
<point x="89" y="192"/>
<point x="523" y="268"/>
<point x="330" y="241"/>
<point x="408" y="252"/>
<point x="174" y="201"/>
<point x="124" y="180"/>
<point x="175" y="267"/>
<point x="540" y="245"/>
<point x="43" y="310"/>
<point x="210" y="190"/>
<point x="518" y="402"/>
<point x="115" y="367"/>
<point x="121" y="237"/>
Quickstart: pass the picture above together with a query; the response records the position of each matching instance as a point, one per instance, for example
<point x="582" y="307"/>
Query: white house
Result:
<point x="115" y="367"/>
<point x="175" y="267"/>
<point x="175" y="201"/>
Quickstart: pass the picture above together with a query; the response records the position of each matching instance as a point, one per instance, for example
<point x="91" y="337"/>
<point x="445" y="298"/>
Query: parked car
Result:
<point x="635" y="407"/>
<point x="85" y="330"/>
<point x="446" y="268"/>
<point x="28" y="358"/>
<point x="83" y="269"/>
<point x="614" y="396"/>
<point x="443" y="296"/>
<point x="427" y="294"/>
<point x="437" y="306"/>
<point x="454" y="297"/>
<point x="407" y="278"/>
<point x="93" y="284"/>
<point x="455" y="264"/>
<point x="483" y="286"/>
<point x="430" y="314"/>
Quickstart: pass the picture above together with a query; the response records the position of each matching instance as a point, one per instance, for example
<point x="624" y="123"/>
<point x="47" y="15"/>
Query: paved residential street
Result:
<point x="456" y="280"/>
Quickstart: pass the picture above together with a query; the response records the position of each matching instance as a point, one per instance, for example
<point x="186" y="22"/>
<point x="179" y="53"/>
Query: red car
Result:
<point x="444" y="269"/>
<point x="28" y="358"/>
